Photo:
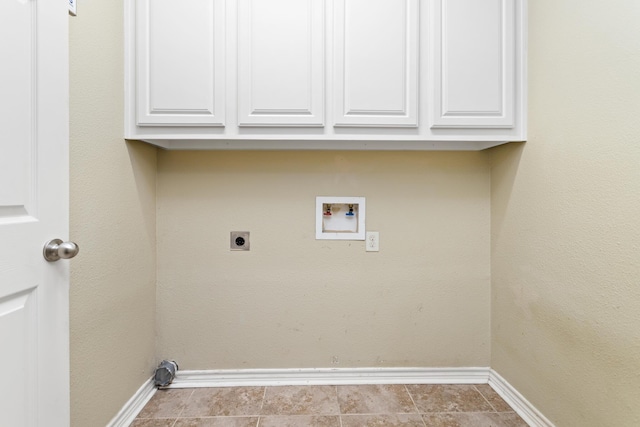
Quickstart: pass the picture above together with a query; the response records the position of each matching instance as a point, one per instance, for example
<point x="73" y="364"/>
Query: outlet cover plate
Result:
<point x="373" y="241"/>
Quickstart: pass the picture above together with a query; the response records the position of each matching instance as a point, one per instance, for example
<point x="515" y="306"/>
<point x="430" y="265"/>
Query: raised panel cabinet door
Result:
<point x="281" y="62"/>
<point x="180" y="64"/>
<point x="474" y="63"/>
<point x="376" y="63"/>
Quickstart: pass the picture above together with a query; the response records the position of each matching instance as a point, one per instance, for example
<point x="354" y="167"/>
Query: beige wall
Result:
<point x="564" y="239"/>
<point x="294" y="301"/>
<point x="566" y="220"/>
<point x="113" y="221"/>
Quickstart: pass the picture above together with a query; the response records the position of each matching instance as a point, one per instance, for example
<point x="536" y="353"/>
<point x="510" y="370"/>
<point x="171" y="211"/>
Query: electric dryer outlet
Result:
<point x="239" y="241"/>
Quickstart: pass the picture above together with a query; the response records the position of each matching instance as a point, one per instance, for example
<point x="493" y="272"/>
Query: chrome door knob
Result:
<point x="56" y="249"/>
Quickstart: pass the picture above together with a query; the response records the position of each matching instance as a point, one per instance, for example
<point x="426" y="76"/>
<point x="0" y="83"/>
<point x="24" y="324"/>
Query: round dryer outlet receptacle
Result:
<point x="239" y="241"/>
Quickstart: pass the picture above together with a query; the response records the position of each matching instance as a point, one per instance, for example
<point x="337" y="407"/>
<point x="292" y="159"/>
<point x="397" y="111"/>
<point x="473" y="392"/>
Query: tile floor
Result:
<point x="330" y="406"/>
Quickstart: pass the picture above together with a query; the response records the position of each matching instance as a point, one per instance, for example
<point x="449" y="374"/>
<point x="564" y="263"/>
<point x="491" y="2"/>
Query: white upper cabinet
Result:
<point x="326" y="74"/>
<point x="474" y="63"/>
<point x="180" y="73"/>
<point x="376" y="63"/>
<point x="281" y="62"/>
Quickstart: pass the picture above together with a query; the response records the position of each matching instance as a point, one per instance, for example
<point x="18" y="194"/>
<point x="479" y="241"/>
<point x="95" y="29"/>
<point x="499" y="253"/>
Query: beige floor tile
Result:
<point x="321" y="406"/>
<point x="166" y="404"/>
<point x="510" y="419"/>
<point x="300" y="421"/>
<point x="386" y="420"/>
<point x="224" y="401"/>
<point x="301" y="400"/>
<point x="218" y="422"/>
<point x="151" y="422"/>
<point x="470" y="419"/>
<point x="448" y="398"/>
<point x="375" y="399"/>
<point x="494" y="398"/>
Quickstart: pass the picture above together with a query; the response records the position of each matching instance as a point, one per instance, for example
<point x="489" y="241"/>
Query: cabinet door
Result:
<point x="180" y="62"/>
<point x="474" y="58"/>
<point x="281" y="62"/>
<point x="376" y="63"/>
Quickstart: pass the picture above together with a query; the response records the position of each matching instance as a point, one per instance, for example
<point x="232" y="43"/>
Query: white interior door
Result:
<point x="34" y="325"/>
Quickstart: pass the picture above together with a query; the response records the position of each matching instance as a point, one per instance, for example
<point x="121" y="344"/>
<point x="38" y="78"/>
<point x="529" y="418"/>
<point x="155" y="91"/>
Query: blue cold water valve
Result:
<point x="350" y="214"/>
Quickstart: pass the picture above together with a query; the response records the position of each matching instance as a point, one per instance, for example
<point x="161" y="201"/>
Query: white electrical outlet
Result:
<point x="372" y="241"/>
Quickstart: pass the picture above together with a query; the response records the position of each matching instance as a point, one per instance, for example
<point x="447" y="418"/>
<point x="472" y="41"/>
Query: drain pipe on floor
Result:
<point x="165" y="373"/>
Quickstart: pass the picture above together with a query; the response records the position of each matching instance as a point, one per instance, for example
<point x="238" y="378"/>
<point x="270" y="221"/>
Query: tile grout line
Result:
<point x="205" y="417"/>
<point x="467" y="412"/>
<point x="339" y="408"/>
<point x="377" y="414"/>
<point x="414" y="405"/>
<point x="185" y="407"/>
<point x="186" y="404"/>
<point x="487" y="400"/>
<point x="264" y="396"/>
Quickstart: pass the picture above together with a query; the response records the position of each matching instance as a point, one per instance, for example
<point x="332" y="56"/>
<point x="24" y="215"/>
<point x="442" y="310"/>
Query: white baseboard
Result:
<point x="133" y="407"/>
<point x="522" y="406"/>
<point x="338" y="376"/>
<point x="327" y="376"/>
